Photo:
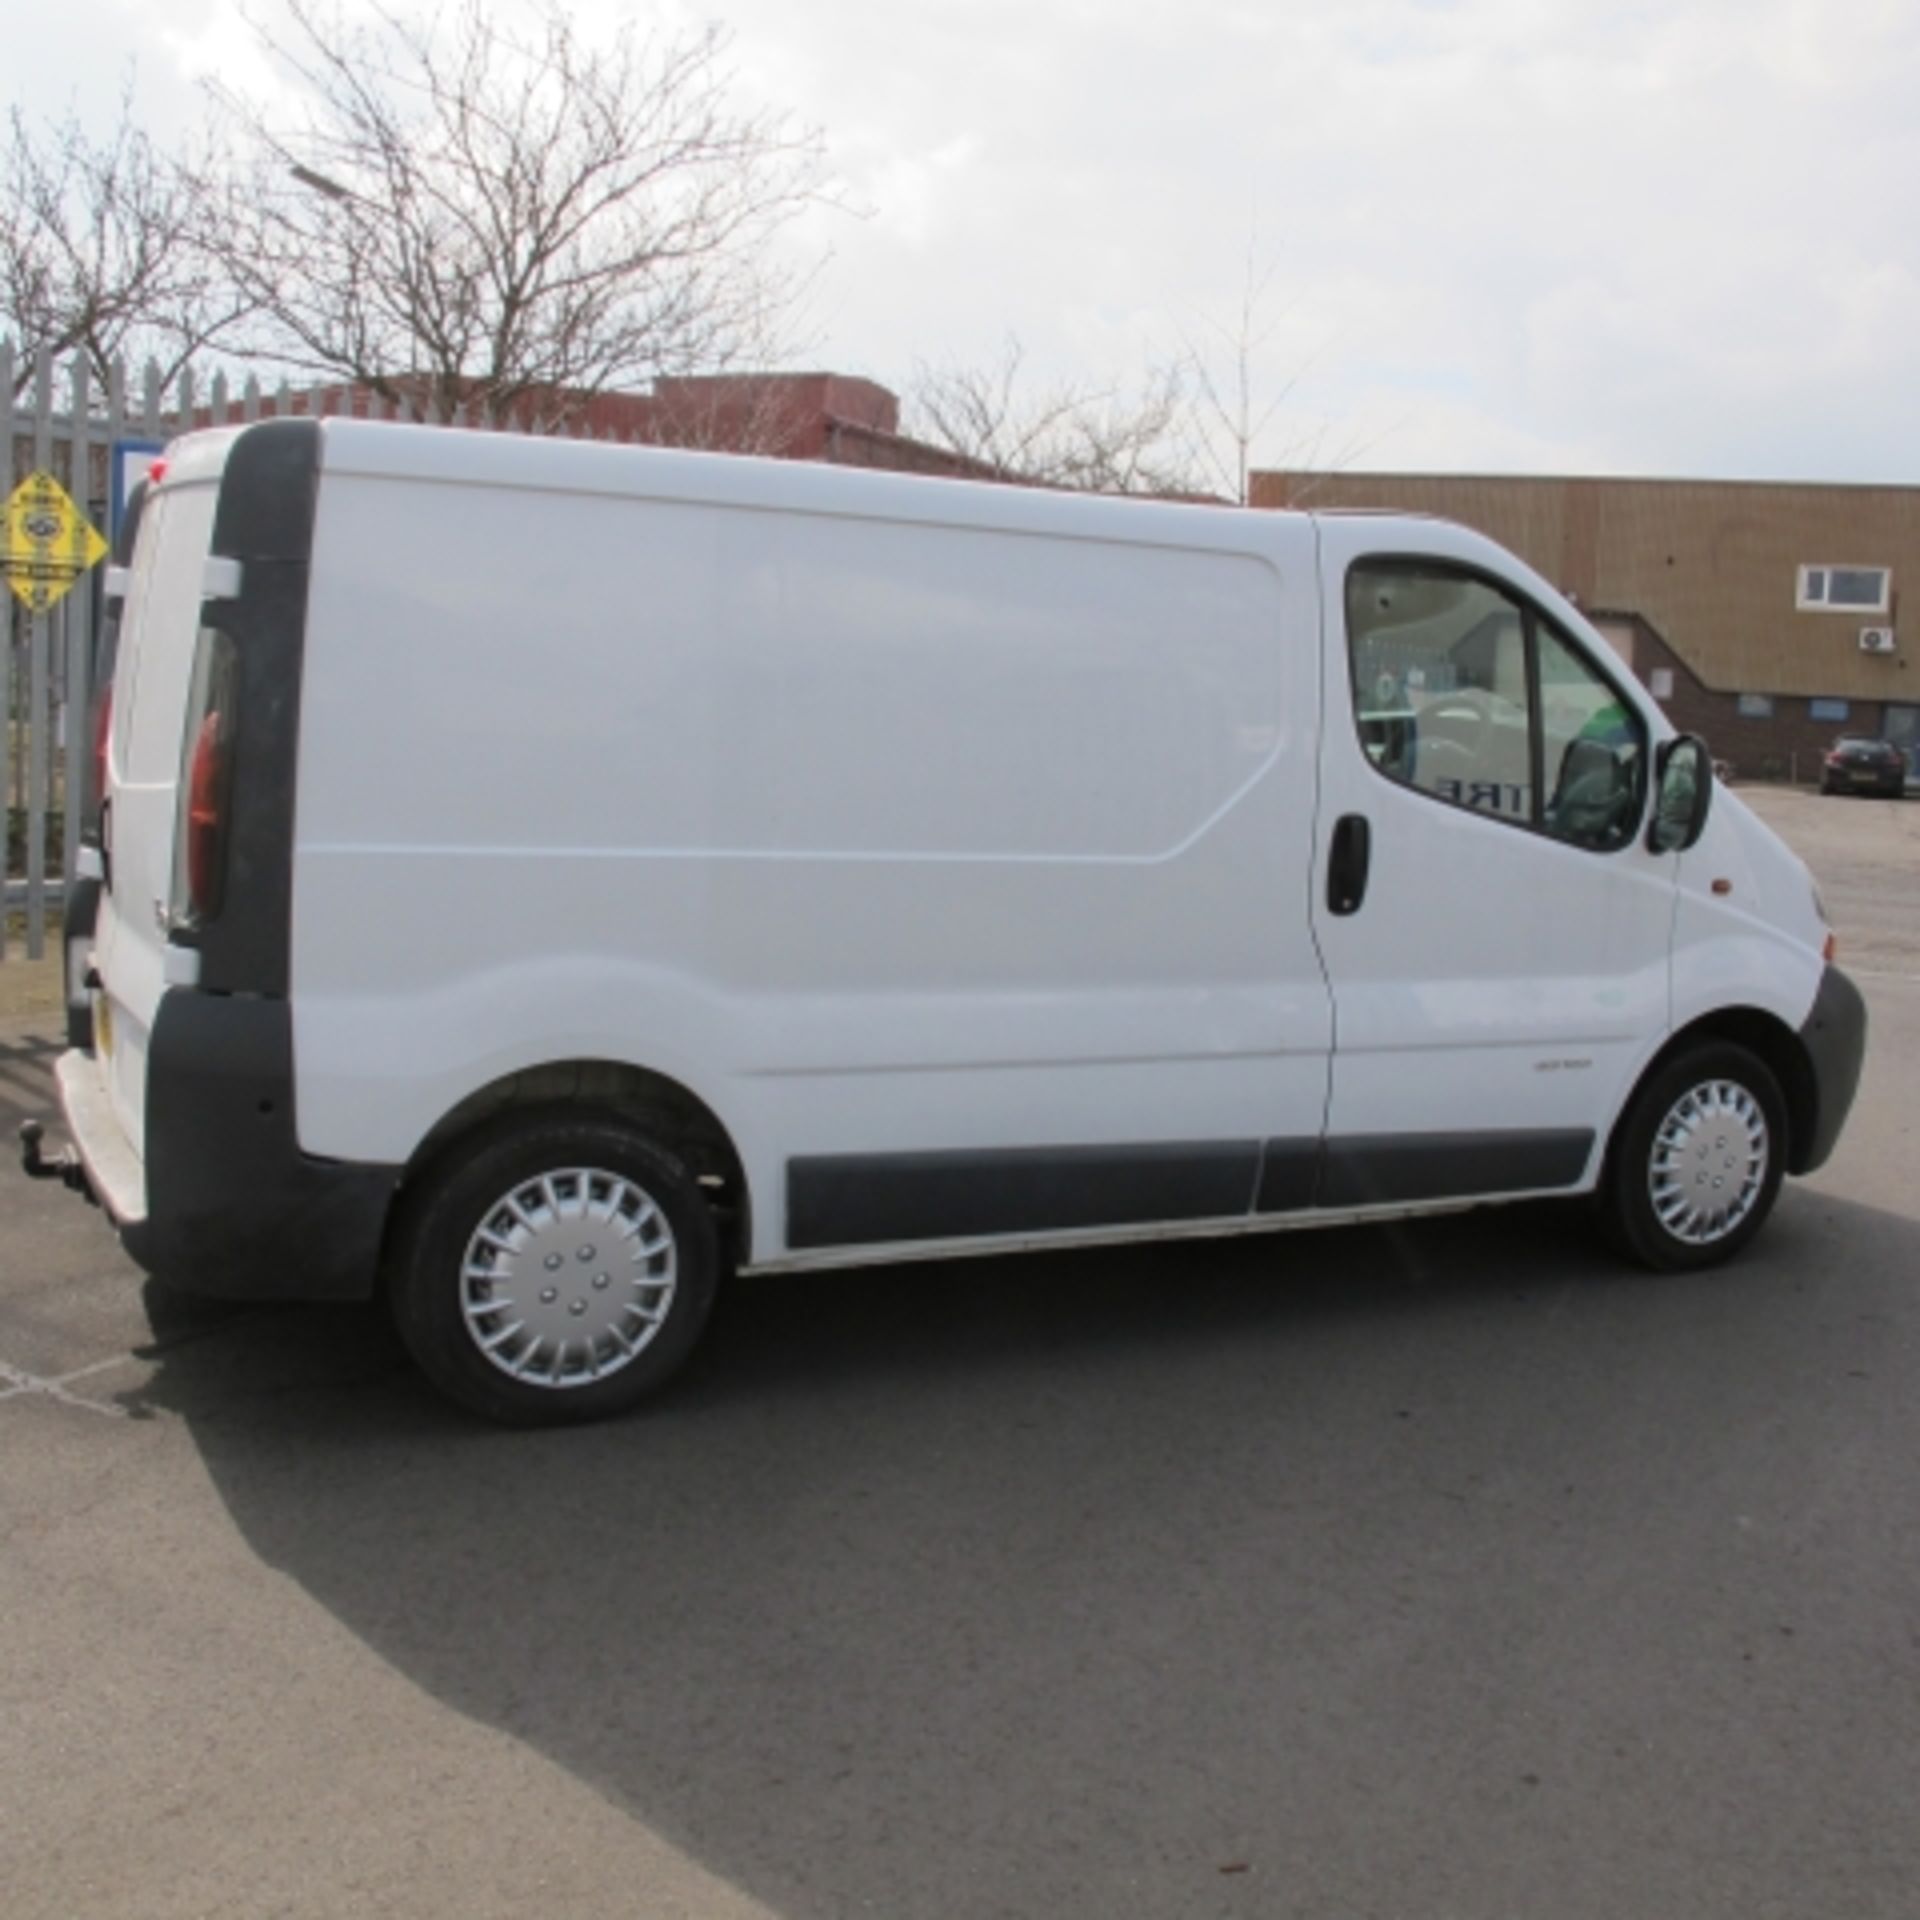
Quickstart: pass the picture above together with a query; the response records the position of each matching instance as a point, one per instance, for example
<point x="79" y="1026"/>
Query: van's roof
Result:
<point x="475" y="457"/>
<point x="390" y="450"/>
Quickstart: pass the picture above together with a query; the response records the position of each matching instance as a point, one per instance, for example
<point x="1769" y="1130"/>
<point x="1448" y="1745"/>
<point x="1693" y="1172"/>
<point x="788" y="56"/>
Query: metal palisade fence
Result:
<point x="61" y="422"/>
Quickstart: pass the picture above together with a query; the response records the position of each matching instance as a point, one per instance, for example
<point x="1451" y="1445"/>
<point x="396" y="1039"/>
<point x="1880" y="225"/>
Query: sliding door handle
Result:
<point x="1347" y="863"/>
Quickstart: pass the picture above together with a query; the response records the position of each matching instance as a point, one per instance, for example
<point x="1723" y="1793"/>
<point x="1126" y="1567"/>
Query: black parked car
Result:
<point x="1864" y="766"/>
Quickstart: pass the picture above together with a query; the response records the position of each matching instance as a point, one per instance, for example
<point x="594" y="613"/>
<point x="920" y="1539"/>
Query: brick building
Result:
<point x="836" y="417"/>
<point x="1765" y="617"/>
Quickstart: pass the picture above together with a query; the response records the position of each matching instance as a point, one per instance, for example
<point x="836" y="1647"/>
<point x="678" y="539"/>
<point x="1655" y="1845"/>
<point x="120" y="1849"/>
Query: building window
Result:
<point x="1660" y="683"/>
<point x="1756" y="706"/>
<point x="1844" y="589"/>
<point x="1826" y="709"/>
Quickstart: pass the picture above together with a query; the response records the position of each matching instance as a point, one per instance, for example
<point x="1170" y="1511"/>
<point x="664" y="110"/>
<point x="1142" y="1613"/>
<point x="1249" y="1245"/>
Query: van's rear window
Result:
<point x="157" y="633"/>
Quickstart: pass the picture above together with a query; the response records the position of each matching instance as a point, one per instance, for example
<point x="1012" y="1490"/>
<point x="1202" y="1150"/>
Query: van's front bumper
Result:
<point x="1834" y="1035"/>
<point x="225" y="1202"/>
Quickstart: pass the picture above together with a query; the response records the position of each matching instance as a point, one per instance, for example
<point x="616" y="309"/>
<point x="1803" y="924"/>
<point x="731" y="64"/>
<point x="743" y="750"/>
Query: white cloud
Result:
<point x="905" y="194"/>
<point x="211" y="41"/>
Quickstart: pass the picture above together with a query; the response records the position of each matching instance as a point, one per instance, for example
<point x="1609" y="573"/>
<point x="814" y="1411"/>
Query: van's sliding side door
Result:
<point x="1495" y="931"/>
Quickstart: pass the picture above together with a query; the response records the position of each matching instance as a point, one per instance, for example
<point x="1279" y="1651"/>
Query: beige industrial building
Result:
<point x="1764" y="616"/>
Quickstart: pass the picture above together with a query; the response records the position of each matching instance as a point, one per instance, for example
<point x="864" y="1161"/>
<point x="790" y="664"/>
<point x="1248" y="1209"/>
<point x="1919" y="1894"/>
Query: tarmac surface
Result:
<point x="1445" y="1570"/>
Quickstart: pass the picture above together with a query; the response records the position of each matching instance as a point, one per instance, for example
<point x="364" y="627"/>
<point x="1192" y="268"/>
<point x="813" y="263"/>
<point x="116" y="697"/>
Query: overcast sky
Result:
<point x="1672" y="238"/>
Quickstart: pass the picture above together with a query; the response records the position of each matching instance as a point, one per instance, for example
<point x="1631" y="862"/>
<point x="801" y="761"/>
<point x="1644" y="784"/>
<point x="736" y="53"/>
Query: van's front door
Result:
<point x="1495" y="932"/>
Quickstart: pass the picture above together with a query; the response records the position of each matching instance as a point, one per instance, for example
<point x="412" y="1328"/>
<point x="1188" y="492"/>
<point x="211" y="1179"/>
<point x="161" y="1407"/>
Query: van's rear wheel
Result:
<point x="555" y="1269"/>
<point x="1698" y="1161"/>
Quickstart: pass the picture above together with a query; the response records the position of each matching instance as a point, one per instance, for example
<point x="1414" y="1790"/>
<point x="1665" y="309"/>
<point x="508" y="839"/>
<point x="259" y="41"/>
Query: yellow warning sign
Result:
<point x="46" y="542"/>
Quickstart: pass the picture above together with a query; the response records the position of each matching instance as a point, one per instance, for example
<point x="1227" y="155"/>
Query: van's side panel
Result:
<point x="886" y="835"/>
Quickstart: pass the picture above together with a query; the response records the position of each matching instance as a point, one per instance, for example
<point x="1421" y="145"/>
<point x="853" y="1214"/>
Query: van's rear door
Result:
<point x="182" y="1112"/>
<point x="140" y="821"/>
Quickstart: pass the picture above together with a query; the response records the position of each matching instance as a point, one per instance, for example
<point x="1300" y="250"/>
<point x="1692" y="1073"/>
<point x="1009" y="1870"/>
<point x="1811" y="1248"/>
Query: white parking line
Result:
<point x="17" y="1382"/>
<point x="93" y="1366"/>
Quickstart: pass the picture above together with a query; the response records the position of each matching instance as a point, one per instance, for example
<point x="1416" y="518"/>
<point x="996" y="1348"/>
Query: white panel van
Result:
<point x="538" y="878"/>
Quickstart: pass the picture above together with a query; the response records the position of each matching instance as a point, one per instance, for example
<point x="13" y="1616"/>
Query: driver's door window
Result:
<point x="1471" y="696"/>
<point x="1440" y="686"/>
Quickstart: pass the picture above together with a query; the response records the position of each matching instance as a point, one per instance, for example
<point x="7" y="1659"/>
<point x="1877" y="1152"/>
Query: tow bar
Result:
<point x="65" y="1167"/>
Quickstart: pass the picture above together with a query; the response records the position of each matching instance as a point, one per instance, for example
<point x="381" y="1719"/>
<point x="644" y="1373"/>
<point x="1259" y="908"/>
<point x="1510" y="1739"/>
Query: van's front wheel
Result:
<point x="1698" y="1161"/>
<point x="555" y="1269"/>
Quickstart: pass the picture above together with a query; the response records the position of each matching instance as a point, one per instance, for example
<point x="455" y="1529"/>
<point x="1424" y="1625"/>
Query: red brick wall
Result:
<point x="848" y="444"/>
<point x="835" y="417"/>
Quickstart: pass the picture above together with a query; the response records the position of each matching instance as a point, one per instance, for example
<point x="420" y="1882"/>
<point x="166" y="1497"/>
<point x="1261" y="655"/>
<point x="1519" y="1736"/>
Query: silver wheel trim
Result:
<point x="568" y="1277"/>
<point x="1709" y="1162"/>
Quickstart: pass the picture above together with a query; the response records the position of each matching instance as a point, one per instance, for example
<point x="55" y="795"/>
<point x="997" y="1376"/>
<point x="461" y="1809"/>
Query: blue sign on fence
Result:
<point x="127" y="464"/>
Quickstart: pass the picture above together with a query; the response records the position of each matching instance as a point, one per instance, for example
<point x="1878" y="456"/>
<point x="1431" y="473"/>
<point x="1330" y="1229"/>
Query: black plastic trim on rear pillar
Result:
<point x="264" y="520"/>
<point x="1370" y="1170"/>
<point x="865" y="1199"/>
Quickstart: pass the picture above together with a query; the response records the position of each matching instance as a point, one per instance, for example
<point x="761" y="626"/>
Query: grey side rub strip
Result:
<point x="869" y="1199"/>
<point x="843" y="1200"/>
<point x="1370" y="1170"/>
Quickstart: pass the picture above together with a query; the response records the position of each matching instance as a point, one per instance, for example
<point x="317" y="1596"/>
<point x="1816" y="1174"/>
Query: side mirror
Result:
<point x="1683" y="791"/>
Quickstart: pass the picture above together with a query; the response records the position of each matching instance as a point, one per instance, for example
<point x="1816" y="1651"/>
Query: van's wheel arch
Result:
<point x="1698" y="1157"/>
<point x="661" y="1108"/>
<point x="554" y="1265"/>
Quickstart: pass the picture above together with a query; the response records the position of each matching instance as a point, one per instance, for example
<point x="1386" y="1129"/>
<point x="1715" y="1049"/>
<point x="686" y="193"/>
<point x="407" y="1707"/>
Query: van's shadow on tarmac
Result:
<point x="1036" y="1586"/>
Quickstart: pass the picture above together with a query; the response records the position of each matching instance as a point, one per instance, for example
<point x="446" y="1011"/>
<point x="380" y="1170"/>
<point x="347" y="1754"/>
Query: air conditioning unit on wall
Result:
<point x="1876" y="639"/>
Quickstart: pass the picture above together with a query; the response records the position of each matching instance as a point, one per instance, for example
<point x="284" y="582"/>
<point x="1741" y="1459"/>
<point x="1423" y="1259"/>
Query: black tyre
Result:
<point x="554" y="1268"/>
<point x="1698" y="1158"/>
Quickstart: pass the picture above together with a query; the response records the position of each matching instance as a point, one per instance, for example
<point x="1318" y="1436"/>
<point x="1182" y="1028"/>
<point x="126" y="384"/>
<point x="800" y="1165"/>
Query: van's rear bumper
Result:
<point x="115" y="1177"/>
<point x="226" y="1203"/>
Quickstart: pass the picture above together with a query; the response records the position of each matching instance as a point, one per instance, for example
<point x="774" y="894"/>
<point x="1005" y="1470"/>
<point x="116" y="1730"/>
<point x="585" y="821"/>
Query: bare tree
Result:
<point x="1230" y="413"/>
<point x="1237" y="400"/>
<point x="469" y="211"/>
<point x="1096" y="439"/>
<point x="725" y="413"/>
<point x="101" y="247"/>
